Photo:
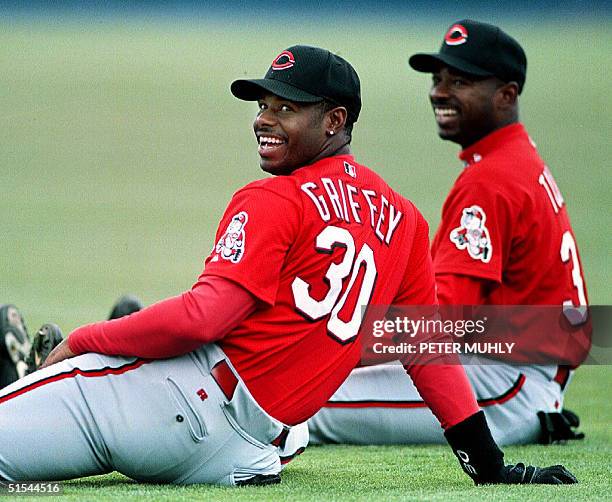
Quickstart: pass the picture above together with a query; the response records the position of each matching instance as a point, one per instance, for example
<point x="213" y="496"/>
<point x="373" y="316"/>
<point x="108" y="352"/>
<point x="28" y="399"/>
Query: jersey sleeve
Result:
<point x="455" y="289"/>
<point x="475" y="232"/>
<point x="446" y="390"/>
<point x="171" y="327"/>
<point x="418" y="284"/>
<point x="252" y="241"/>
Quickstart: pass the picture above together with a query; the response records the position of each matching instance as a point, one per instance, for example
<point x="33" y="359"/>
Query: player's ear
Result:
<point x="335" y="119"/>
<point x="507" y="95"/>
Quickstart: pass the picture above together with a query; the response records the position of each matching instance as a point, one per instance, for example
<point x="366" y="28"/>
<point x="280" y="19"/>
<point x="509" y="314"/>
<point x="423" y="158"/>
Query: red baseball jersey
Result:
<point x="314" y="247"/>
<point x="505" y="221"/>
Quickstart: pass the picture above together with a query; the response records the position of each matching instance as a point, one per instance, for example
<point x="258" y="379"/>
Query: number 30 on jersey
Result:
<point x="332" y="237"/>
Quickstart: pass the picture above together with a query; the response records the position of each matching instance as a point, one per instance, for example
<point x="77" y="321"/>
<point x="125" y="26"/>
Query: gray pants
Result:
<point x="380" y="405"/>
<point x="160" y="421"/>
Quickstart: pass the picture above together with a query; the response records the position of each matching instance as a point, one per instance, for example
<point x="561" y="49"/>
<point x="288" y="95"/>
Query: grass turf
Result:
<point x="122" y="145"/>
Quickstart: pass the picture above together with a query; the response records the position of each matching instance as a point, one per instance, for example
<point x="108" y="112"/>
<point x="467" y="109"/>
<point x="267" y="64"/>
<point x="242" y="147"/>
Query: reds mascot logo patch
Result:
<point x="231" y="244"/>
<point x="473" y="235"/>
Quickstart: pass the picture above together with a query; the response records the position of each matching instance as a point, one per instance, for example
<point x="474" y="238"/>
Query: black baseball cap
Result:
<point x="306" y="75"/>
<point x="478" y="49"/>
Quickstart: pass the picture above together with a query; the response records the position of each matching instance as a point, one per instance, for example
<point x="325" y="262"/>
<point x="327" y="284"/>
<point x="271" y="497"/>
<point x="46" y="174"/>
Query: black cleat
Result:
<point x="126" y="305"/>
<point x="46" y="339"/>
<point x="260" y="480"/>
<point x="14" y="345"/>
<point x="559" y="427"/>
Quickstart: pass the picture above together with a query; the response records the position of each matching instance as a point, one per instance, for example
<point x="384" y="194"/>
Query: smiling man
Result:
<point x="522" y="249"/>
<point x="205" y="387"/>
<point x="504" y="239"/>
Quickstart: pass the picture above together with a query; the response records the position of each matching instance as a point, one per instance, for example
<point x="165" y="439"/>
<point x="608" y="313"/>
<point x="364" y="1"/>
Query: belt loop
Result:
<point x="562" y="376"/>
<point x="243" y="408"/>
<point x="280" y="440"/>
<point x="225" y="378"/>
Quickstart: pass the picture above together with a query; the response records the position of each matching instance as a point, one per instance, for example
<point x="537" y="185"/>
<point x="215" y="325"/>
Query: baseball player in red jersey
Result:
<point x="205" y="387"/>
<point x="504" y="239"/>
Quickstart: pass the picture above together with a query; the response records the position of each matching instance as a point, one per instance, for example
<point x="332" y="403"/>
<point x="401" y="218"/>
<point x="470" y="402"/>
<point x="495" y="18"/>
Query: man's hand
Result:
<point x="483" y="461"/>
<point x="521" y="474"/>
<point x="559" y="427"/>
<point x="59" y="353"/>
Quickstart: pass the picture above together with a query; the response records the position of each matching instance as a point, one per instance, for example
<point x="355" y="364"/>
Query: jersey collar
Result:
<point x="476" y="152"/>
<point x="347" y="157"/>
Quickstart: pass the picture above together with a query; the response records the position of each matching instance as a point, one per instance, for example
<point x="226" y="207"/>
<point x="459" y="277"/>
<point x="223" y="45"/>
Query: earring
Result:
<point x="330" y="133"/>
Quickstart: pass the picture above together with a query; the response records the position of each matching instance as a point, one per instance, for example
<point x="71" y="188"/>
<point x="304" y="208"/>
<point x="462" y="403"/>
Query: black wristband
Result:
<point x="474" y="446"/>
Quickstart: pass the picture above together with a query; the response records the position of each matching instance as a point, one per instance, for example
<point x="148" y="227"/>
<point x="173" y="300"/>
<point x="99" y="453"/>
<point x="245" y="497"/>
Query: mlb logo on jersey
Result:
<point x="350" y="170"/>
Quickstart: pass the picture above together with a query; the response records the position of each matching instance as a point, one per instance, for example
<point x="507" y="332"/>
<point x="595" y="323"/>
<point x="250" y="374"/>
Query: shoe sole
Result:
<point x="126" y="305"/>
<point x="45" y="340"/>
<point x="14" y="337"/>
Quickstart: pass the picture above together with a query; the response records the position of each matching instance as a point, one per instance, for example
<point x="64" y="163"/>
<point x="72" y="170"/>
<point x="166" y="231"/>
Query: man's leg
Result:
<point x="46" y="429"/>
<point x="160" y="421"/>
<point x="375" y="405"/>
<point x="380" y="405"/>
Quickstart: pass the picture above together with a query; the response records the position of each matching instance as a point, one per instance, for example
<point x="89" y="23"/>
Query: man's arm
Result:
<point x="471" y="438"/>
<point x="206" y="313"/>
<point x="458" y="289"/>
<point x="446" y="389"/>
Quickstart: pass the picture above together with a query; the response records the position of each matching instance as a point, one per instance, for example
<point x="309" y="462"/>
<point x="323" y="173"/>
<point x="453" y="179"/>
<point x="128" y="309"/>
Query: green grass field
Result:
<point x="121" y="145"/>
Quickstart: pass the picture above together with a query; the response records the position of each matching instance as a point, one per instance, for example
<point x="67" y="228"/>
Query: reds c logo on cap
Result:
<point x="456" y="35"/>
<point x="283" y="61"/>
